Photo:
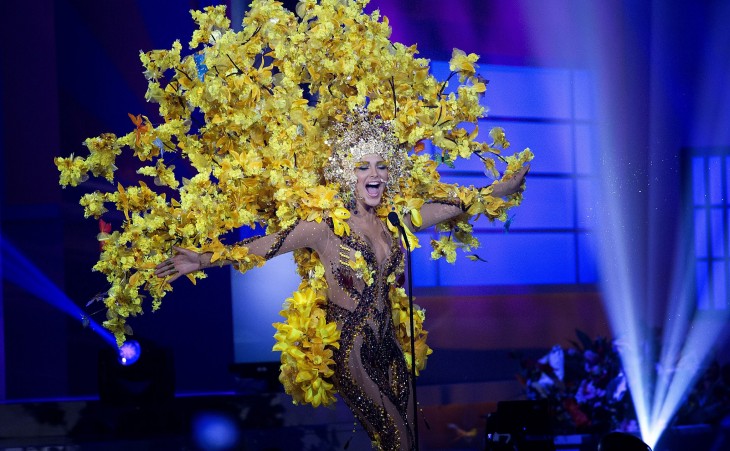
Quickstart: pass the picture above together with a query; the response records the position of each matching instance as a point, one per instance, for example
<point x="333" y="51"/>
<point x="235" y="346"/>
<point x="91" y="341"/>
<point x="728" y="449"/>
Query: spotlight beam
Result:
<point x="659" y="381"/>
<point x="16" y="268"/>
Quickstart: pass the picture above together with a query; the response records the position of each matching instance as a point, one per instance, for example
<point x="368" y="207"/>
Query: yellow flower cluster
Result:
<point x="250" y="112"/>
<point x="305" y="341"/>
<point x="402" y="323"/>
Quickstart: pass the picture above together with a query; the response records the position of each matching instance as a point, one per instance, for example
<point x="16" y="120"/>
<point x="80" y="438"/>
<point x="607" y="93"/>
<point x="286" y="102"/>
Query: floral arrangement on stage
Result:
<point x="585" y="385"/>
<point x="250" y="112"/>
<point x="709" y="400"/>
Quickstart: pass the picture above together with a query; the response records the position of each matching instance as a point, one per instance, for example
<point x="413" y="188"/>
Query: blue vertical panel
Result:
<point x="698" y="180"/>
<point x="520" y="92"/>
<point x="425" y="270"/>
<point x="700" y="233"/>
<point x="719" y="292"/>
<point x="716" y="233"/>
<point x="551" y="142"/>
<point x="515" y="259"/>
<point x="256" y="305"/>
<point x="703" y="298"/>
<point x="587" y="268"/>
<point x="534" y="92"/>
<point x="548" y="203"/>
<point x="584" y="96"/>
<point x="715" y="180"/>
<point x="586" y="213"/>
<point x="727" y="180"/>
<point x="585" y="149"/>
<point x="538" y="108"/>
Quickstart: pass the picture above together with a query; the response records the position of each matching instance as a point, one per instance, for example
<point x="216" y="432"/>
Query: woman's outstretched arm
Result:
<point x="303" y="234"/>
<point x="437" y="212"/>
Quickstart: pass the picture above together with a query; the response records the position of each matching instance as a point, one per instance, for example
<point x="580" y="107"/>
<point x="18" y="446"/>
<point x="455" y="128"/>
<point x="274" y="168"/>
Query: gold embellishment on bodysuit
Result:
<point x="344" y="253"/>
<point x="357" y="263"/>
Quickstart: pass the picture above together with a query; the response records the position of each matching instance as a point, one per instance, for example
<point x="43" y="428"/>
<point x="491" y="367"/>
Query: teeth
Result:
<point x="373" y="189"/>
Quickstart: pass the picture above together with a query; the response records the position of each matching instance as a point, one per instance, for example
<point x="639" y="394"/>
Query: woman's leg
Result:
<point x="373" y="381"/>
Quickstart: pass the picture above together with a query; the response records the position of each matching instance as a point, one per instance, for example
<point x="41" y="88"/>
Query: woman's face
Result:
<point x="372" y="175"/>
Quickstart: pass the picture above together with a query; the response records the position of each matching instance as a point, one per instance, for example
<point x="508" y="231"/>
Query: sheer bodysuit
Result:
<point x="371" y="374"/>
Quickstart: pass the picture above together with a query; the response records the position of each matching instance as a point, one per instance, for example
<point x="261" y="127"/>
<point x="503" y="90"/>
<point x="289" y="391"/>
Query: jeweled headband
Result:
<point x="358" y="135"/>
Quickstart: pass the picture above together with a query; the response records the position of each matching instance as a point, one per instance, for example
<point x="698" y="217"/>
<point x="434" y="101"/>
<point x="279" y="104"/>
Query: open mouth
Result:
<point x="373" y="189"/>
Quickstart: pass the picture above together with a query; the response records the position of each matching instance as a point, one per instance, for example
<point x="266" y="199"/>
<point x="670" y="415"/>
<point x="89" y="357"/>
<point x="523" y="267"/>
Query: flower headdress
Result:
<point x="360" y="134"/>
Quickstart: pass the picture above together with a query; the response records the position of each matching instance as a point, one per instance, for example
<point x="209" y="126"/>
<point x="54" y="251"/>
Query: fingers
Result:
<point x="178" y="264"/>
<point x="524" y="170"/>
<point x="166" y="268"/>
<point x="521" y="178"/>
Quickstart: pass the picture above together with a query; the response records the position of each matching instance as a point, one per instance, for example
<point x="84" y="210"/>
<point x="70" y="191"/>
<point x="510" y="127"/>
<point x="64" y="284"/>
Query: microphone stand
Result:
<point x="393" y="218"/>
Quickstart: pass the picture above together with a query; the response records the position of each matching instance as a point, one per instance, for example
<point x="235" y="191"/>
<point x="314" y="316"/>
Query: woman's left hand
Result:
<point x="182" y="263"/>
<point x="512" y="185"/>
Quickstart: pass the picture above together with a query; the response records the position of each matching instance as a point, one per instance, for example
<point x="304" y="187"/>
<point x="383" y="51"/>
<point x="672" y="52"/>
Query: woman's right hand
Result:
<point x="512" y="185"/>
<point x="182" y="263"/>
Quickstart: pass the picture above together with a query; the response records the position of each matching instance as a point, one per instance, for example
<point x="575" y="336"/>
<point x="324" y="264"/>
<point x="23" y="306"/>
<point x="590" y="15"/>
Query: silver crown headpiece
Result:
<point x="360" y="134"/>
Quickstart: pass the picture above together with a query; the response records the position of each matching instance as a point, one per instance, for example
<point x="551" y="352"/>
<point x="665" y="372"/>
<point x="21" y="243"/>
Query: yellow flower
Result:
<point x="361" y="268"/>
<point x="305" y="341"/>
<point x="412" y="206"/>
<point x="412" y="239"/>
<point x="164" y="175"/>
<point x="444" y="247"/>
<point x="321" y="197"/>
<point x="73" y="170"/>
<point x="93" y="204"/>
<point x="462" y="63"/>
<point x="339" y="219"/>
<point x="212" y="19"/>
<point x="499" y="137"/>
<point x="103" y="153"/>
<point x="402" y="323"/>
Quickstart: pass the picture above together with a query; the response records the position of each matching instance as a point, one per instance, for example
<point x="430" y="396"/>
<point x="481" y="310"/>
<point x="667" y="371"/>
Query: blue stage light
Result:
<point x="215" y="431"/>
<point x="130" y="352"/>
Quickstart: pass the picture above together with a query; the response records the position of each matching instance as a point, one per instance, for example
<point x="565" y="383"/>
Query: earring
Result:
<point x="350" y="202"/>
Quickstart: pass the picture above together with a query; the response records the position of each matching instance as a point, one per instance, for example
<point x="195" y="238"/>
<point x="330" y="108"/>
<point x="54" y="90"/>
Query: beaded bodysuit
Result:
<point x="371" y="374"/>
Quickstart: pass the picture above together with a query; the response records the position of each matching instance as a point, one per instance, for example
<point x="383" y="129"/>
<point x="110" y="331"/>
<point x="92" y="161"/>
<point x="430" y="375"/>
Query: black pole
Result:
<point x="393" y="218"/>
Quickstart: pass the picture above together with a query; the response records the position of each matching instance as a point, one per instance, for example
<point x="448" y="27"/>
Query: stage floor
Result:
<point x="264" y="422"/>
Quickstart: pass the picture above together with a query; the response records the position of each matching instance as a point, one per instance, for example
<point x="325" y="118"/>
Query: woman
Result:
<point x="370" y="372"/>
<point x="254" y="116"/>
